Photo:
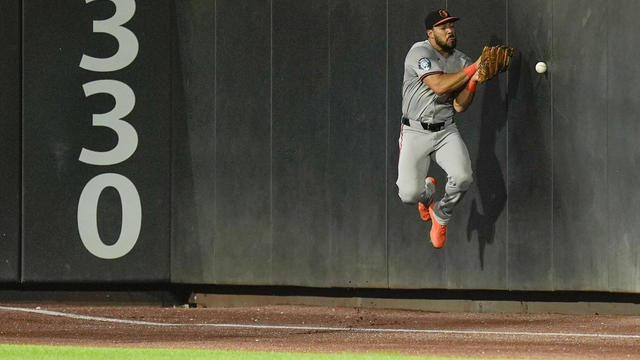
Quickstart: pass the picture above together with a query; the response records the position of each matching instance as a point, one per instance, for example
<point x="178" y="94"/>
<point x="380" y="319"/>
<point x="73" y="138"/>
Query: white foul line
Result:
<point x="318" y="328"/>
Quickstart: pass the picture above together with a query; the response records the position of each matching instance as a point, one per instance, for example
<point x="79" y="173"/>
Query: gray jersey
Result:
<point x="419" y="102"/>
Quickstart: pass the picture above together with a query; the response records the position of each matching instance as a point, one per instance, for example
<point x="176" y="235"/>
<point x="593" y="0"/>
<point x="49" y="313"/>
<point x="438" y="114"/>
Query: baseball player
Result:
<point x="439" y="81"/>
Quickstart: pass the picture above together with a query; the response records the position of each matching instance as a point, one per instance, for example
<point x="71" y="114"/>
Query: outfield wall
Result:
<point x="255" y="142"/>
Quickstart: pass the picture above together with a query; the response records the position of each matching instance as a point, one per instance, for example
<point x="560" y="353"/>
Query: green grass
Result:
<point x="30" y="352"/>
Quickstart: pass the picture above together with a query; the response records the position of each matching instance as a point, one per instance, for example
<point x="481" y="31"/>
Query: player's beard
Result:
<point x="444" y="44"/>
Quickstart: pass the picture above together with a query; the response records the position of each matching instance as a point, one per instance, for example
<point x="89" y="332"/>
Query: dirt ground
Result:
<point x="326" y="329"/>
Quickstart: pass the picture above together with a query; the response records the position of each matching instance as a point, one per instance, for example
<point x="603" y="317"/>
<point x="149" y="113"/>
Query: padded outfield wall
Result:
<point x="255" y="142"/>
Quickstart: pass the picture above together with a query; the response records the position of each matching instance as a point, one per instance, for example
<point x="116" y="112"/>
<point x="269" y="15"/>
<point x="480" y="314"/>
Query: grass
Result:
<point x="31" y="352"/>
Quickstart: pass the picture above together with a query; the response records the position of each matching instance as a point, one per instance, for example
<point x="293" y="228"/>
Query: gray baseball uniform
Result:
<point x="422" y="107"/>
<point x="419" y="102"/>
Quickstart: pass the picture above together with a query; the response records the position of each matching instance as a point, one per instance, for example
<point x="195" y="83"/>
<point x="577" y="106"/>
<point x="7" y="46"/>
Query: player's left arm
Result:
<point x="464" y="98"/>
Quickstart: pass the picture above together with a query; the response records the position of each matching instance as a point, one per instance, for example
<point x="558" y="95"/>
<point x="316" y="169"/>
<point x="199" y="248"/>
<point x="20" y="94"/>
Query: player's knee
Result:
<point x="462" y="181"/>
<point x="408" y="197"/>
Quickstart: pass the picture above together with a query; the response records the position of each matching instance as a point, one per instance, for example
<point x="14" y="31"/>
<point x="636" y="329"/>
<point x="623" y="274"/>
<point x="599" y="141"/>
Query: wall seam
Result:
<point x="508" y="280"/>
<point x="20" y="266"/>
<point x="606" y="149"/>
<point x="172" y="55"/>
<point x="551" y="116"/>
<point x="215" y="133"/>
<point x="326" y="179"/>
<point x="271" y="138"/>
<point x="386" y="150"/>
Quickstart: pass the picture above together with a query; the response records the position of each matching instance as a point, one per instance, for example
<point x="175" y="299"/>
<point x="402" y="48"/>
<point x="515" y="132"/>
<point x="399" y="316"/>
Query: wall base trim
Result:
<point x="431" y="305"/>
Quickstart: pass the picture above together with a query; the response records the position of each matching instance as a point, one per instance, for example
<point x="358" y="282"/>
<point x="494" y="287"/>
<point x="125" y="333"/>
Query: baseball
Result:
<point x="541" y="67"/>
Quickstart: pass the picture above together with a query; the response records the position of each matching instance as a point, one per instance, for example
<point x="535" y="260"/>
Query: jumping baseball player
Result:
<point x="439" y="81"/>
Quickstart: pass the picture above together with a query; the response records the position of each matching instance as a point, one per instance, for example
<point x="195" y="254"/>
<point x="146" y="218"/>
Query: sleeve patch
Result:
<point x="424" y="64"/>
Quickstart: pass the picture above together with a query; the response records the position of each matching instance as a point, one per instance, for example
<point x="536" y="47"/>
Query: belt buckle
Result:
<point x="433" y="127"/>
<point x="426" y="126"/>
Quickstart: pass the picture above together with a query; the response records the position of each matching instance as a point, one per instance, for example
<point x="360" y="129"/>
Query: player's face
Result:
<point x="445" y="36"/>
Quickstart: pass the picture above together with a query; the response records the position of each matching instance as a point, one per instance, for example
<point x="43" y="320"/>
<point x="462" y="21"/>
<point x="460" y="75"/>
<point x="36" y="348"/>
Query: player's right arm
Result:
<point x="444" y="83"/>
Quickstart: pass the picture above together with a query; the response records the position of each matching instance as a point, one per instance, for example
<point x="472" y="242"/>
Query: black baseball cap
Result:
<point x="438" y="17"/>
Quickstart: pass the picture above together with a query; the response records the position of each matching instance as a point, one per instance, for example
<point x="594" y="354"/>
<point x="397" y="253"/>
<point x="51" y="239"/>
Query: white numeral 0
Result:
<point x="127" y="41"/>
<point x="88" y="216"/>
<point x="127" y="135"/>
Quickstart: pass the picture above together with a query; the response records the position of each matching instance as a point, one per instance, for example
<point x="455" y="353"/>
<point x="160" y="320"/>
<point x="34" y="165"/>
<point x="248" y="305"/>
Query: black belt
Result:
<point x="430" y="127"/>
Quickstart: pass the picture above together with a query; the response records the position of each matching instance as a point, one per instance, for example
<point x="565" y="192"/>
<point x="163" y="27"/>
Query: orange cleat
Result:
<point x="422" y="208"/>
<point x="438" y="231"/>
<point x="424" y="211"/>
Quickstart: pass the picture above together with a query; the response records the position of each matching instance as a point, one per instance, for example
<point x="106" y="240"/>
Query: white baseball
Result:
<point x="541" y="67"/>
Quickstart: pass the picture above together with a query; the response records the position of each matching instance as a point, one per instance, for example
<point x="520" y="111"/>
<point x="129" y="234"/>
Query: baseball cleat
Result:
<point x="438" y="231"/>
<point x="430" y="186"/>
<point x="424" y="211"/>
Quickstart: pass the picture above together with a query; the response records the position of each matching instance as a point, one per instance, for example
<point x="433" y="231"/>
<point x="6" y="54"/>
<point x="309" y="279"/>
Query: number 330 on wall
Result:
<point x="125" y="101"/>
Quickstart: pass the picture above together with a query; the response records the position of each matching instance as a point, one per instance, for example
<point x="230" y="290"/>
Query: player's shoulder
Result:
<point x="422" y="49"/>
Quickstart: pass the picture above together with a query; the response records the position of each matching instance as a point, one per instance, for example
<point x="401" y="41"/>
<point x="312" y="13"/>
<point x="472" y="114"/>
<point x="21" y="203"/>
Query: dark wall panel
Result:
<point x="477" y="235"/>
<point x="413" y="262"/>
<point x="243" y="243"/>
<point x="292" y="191"/>
<point x="194" y="141"/>
<point x="623" y="152"/>
<point x="579" y="144"/>
<point x="57" y="125"/>
<point x="10" y="140"/>
<point x="357" y="137"/>
<point x="301" y="123"/>
<point x="530" y="143"/>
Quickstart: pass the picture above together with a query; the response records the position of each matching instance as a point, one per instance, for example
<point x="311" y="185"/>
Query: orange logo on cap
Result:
<point x="443" y="13"/>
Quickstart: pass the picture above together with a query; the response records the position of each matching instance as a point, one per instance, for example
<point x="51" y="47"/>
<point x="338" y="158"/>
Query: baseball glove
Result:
<point x="494" y="59"/>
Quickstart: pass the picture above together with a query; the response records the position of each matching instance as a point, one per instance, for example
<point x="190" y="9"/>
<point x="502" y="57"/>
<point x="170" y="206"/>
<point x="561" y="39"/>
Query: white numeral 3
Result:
<point x="127" y="135"/>
<point x="127" y="41"/>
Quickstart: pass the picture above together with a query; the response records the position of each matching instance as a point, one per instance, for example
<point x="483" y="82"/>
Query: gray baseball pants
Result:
<point x="417" y="148"/>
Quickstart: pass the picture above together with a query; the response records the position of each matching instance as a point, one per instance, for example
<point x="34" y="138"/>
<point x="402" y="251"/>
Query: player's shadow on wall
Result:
<point x="491" y="197"/>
